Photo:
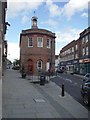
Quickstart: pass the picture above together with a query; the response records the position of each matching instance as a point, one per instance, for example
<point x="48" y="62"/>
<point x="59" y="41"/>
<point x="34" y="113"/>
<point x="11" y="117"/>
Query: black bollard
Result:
<point x="63" y="90"/>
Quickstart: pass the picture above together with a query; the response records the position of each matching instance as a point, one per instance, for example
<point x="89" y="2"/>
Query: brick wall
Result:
<point x="35" y="53"/>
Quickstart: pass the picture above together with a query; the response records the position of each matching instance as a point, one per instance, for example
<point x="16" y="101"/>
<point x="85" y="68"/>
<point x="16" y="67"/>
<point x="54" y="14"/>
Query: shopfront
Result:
<point x="70" y="66"/>
<point x="63" y="65"/>
<point x="76" y="66"/>
<point x="84" y="66"/>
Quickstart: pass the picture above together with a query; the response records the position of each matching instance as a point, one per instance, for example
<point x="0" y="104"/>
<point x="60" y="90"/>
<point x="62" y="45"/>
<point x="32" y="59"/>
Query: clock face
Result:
<point x="34" y="23"/>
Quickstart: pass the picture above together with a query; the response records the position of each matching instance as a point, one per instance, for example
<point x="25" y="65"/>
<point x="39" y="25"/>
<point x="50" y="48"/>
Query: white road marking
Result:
<point x="68" y="80"/>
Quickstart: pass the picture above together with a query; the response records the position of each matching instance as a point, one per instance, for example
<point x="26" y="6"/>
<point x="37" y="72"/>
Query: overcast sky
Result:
<point x="66" y="18"/>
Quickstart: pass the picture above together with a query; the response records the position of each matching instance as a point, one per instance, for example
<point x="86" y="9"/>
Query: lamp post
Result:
<point x="50" y="59"/>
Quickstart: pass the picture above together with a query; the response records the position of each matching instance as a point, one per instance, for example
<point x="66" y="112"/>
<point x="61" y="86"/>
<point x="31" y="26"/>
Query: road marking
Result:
<point x="39" y="100"/>
<point x="75" y="84"/>
<point x="53" y="77"/>
<point x="68" y="80"/>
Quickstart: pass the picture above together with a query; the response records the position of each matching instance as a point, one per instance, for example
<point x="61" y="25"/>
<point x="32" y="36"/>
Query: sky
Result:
<point x="66" y="18"/>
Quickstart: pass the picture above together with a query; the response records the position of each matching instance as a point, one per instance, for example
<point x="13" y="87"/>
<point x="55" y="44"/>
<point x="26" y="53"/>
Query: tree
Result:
<point x="16" y="62"/>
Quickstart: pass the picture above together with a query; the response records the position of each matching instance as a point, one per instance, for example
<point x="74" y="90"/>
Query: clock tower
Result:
<point x="34" y="22"/>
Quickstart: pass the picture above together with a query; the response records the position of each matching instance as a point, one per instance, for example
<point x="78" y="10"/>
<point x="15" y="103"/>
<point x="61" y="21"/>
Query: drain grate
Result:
<point x="39" y="100"/>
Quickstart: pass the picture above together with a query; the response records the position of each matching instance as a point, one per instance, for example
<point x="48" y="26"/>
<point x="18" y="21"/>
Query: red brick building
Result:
<point x="37" y="49"/>
<point x="3" y="43"/>
<point x="75" y="56"/>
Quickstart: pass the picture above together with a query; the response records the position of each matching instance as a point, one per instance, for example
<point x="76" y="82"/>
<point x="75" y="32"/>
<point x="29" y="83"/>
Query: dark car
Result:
<point x="85" y="92"/>
<point x="59" y="71"/>
<point x="16" y="67"/>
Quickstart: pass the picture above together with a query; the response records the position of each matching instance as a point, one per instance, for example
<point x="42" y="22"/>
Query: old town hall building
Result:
<point x="37" y="49"/>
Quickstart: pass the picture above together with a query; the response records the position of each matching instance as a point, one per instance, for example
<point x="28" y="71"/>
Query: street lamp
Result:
<point x="50" y="66"/>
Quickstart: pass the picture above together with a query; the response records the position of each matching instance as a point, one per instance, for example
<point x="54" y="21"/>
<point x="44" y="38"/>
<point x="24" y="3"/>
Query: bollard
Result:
<point x="63" y="90"/>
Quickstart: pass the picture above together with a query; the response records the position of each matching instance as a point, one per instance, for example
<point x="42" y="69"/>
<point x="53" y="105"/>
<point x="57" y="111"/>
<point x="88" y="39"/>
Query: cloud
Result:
<point x="29" y="1"/>
<point x="13" y="51"/>
<point x="56" y="0"/>
<point x="51" y="23"/>
<point x="54" y="9"/>
<point x="84" y="15"/>
<point x="69" y="9"/>
<point x="25" y="19"/>
<point x="66" y="36"/>
<point x="19" y="7"/>
<point x="73" y="7"/>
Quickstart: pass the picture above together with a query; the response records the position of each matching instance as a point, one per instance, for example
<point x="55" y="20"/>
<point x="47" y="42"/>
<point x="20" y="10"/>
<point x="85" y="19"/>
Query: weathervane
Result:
<point x="34" y="12"/>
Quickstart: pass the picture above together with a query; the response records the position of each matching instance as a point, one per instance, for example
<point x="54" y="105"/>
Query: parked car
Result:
<point x="8" y="67"/>
<point x="86" y="77"/>
<point x="85" y="92"/>
<point x="59" y="71"/>
<point x="16" y="67"/>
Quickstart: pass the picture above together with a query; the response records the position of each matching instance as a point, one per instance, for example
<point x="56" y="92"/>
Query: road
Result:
<point x="72" y="85"/>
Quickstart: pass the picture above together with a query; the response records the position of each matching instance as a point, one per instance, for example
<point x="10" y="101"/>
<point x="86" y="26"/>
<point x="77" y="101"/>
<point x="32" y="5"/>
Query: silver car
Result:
<point x="86" y="77"/>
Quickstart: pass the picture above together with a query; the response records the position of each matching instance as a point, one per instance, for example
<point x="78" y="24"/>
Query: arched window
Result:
<point x="39" y="64"/>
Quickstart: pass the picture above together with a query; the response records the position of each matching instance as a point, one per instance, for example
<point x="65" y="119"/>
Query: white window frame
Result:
<point x="72" y="49"/>
<point x="83" y="40"/>
<point x="87" y="52"/>
<point x="38" y="42"/>
<point x="47" y="66"/>
<point x="48" y="43"/>
<point x="83" y="51"/>
<point x="86" y="38"/>
<point x="38" y="64"/>
<point x="76" y="55"/>
<point x="76" y="46"/>
<point x="29" y="40"/>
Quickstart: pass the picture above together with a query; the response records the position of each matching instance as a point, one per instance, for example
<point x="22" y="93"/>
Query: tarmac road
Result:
<point x="72" y="85"/>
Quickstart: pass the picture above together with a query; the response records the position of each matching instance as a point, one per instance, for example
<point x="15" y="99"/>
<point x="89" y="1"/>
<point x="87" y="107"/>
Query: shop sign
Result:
<point x="75" y="61"/>
<point x="84" y="60"/>
<point x="81" y="61"/>
<point x="69" y="63"/>
<point x="63" y="63"/>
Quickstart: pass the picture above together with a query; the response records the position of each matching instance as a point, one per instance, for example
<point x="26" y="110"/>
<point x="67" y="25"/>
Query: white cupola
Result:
<point x="34" y="22"/>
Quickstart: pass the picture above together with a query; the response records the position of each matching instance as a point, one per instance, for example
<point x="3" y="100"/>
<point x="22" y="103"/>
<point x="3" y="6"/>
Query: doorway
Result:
<point x="29" y="67"/>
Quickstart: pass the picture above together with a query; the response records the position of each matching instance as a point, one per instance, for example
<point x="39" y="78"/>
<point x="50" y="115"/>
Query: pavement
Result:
<point x="26" y="98"/>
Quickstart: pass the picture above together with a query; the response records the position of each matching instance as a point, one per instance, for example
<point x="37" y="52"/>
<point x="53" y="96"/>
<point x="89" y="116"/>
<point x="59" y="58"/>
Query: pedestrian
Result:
<point x="23" y="72"/>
